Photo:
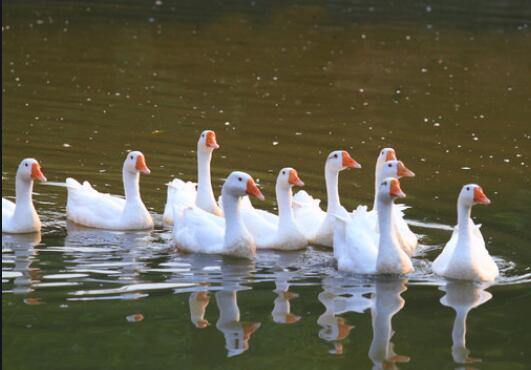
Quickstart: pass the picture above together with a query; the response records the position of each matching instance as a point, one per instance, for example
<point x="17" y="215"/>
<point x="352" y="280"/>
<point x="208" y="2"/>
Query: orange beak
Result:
<point x="36" y="172"/>
<point x="211" y="140"/>
<point x="391" y="155"/>
<point x="480" y="197"/>
<point x="395" y="191"/>
<point x="294" y="179"/>
<point x="349" y="162"/>
<point x="403" y="171"/>
<point x="141" y="165"/>
<point x="253" y="190"/>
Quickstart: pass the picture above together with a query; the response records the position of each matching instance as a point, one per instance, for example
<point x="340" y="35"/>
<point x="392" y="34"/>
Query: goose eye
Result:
<point x="385" y="183"/>
<point x="283" y="172"/>
<point x="25" y="164"/>
<point x="203" y="135"/>
<point x="467" y="188"/>
<point x="389" y="165"/>
<point x="335" y="155"/>
<point x="131" y="157"/>
<point x="239" y="179"/>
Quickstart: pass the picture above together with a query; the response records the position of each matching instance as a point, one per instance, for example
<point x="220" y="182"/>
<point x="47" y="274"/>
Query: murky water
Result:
<point x="282" y="84"/>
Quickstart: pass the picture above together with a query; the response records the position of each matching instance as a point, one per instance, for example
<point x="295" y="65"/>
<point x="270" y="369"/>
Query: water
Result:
<point x="282" y="84"/>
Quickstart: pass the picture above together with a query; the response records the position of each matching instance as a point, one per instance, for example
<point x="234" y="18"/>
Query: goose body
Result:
<point x="358" y="248"/>
<point x="277" y="232"/>
<point x="21" y="217"/>
<point x="88" y="207"/>
<point x="199" y="231"/>
<point x="465" y="256"/>
<point x="316" y="224"/>
<point x="183" y="194"/>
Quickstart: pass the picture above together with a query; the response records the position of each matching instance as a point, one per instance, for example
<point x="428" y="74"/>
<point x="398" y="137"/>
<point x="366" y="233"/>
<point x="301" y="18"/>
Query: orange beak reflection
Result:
<point x="480" y="197"/>
<point x="349" y="162"/>
<point x="36" y="172"/>
<point x="294" y="179"/>
<point x="391" y="155"/>
<point x="141" y="165"/>
<point x="403" y="171"/>
<point x="211" y="140"/>
<point x="253" y="190"/>
<point x="395" y="189"/>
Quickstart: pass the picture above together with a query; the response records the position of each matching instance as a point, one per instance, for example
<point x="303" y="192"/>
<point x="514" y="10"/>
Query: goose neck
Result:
<point x="204" y="182"/>
<point x="24" y="191"/>
<point x="463" y="217"/>
<point x="285" y="209"/>
<point x="384" y="209"/>
<point x="332" y="190"/>
<point x="231" y="211"/>
<point x="131" y="186"/>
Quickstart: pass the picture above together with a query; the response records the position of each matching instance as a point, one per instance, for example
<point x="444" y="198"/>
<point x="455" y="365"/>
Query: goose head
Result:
<point x="288" y="177"/>
<point x="390" y="189"/>
<point x="395" y="168"/>
<point x="339" y="160"/>
<point x="136" y="162"/>
<point x="472" y="194"/>
<point x="387" y="154"/>
<point x="239" y="184"/>
<point x="29" y="169"/>
<point x="207" y="141"/>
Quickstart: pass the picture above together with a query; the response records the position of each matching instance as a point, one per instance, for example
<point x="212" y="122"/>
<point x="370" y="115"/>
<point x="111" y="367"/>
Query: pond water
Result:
<point x="282" y="84"/>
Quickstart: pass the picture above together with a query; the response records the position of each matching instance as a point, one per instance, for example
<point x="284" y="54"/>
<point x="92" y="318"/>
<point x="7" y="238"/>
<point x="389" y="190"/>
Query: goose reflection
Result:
<point x="198" y="302"/>
<point x="282" y="307"/>
<point x="338" y="297"/>
<point x="237" y="334"/>
<point x="235" y="274"/>
<point x="463" y="296"/>
<point x="387" y="301"/>
<point x="24" y="254"/>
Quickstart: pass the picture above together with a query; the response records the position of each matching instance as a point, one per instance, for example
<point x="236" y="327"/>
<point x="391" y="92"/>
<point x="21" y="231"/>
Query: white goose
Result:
<point x="358" y="248"/>
<point x="465" y="256"/>
<point x="87" y="207"/>
<point x="277" y="232"/>
<point x="184" y="194"/>
<point x="317" y="225"/>
<point x="407" y="239"/>
<point x="196" y="230"/>
<point x="21" y="217"/>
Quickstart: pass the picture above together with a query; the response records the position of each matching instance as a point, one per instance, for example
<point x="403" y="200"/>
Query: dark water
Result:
<point x="283" y="83"/>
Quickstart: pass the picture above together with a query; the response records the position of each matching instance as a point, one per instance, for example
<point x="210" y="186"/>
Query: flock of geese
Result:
<point x="376" y="241"/>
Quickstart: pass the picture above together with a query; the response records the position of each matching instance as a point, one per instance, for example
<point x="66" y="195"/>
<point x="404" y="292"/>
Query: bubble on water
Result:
<point x="275" y="143"/>
<point x="428" y="8"/>
<point x="465" y="168"/>
<point x="66" y="145"/>
<point x="424" y="70"/>
<point x="363" y="36"/>
<point x="506" y="160"/>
